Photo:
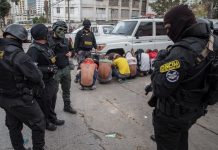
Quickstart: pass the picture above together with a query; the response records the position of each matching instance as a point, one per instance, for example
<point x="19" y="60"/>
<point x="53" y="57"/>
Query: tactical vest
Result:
<point x="86" y="40"/>
<point x="47" y="53"/>
<point x="10" y="79"/>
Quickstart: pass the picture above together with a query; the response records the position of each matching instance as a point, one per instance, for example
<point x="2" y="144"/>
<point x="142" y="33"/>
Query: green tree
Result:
<point x="35" y="20"/>
<point x="41" y="19"/>
<point x="199" y="10"/>
<point x="4" y="10"/>
<point x="161" y="6"/>
<point x="211" y="6"/>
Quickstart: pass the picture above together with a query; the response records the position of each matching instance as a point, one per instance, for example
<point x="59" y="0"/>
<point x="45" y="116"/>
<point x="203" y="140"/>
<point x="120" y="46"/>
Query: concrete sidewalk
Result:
<point x="113" y="109"/>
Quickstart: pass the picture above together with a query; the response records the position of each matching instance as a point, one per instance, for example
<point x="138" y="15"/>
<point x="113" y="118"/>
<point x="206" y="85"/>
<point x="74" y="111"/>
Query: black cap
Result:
<point x="86" y="22"/>
<point x="39" y="32"/>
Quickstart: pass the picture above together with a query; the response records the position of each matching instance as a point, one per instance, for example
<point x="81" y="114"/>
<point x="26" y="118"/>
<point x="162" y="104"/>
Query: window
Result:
<point x="58" y="10"/>
<point x="135" y="13"/>
<point x="114" y="13"/>
<point x="125" y="3"/>
<point x="124" y="28"/>
<point x="160" y="29"/>
<point x="113" y="2"/>
<point x="145" y="29"/>
<point x="108" y="29"/>
<point x="94" y="29"/>
<point x="124" y="14"/>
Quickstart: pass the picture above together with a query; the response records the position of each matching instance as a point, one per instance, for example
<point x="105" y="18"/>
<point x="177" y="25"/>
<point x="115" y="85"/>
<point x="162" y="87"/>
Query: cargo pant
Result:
<point x="63" y="77"/>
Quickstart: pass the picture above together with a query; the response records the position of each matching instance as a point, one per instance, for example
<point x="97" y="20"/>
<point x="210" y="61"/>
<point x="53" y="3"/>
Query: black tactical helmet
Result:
<point x="86" y="22"/>
<point x="59" y="24"/>
<point x="17" y="31"/>
<point x="39" y="32"/>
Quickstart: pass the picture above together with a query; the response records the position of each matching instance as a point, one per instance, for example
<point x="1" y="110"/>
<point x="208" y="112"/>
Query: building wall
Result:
<point x="96" y="10"/>
<point x="40" y="7"/>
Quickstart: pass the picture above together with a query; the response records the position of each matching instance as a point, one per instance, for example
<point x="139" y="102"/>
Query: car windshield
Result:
<point x="108" y="29"/>
<point x="124" y="27"/>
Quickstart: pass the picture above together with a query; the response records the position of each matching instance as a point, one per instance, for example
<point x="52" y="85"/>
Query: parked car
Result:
<point x="134" y="34"/>
<point x="98" y="30"/>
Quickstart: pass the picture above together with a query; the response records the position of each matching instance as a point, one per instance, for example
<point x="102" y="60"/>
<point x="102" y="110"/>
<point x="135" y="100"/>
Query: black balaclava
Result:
<point x="180" y="18"/>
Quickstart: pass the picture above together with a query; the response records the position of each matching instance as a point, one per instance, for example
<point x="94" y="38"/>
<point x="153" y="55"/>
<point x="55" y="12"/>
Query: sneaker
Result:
<point x="120" y="80"/>
<point x="76" y="80"/>
<point x="69" y="109"/>
<point x="93" y="87"/>
<point x="58" y="122"/>
<point x="82" y="88"/>
<point x="51" y="127"/>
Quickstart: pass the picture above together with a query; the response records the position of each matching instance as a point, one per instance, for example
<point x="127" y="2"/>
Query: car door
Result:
<point x="161" y="39"/>
<point x="143" y="38"/>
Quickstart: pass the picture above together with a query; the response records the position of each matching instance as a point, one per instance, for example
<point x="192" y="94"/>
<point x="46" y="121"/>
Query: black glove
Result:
<point x="52" y="69"/>
<point x="148" y="88"/>
<point x="162" y="54"/>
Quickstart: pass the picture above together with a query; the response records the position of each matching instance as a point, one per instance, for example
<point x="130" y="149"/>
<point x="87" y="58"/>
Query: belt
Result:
<point x="174" y="109"/>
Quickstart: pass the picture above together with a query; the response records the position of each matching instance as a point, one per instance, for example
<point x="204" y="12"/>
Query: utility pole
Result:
<point x="68" y="11"/>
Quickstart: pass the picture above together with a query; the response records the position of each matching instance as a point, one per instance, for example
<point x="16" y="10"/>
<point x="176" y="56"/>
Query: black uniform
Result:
<point x="45" y="59"/>
<point x="84" y="42"/>
<point x="179" y="84"/>
<point x="18" y="75"/>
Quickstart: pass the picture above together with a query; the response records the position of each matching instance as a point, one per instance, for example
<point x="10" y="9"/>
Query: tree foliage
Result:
<point x="211" y="6"/>
<point x="199" y="10"/>
<point x="161" y="6"/>
<point x="4" y="9"/>
<point x="206" y="8"/>
<point x="41" y="19"/>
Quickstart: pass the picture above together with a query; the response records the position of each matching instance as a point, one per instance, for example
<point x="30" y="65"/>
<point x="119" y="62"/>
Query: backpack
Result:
<point x="208" y="53"/>
<point x="138" y="57"/>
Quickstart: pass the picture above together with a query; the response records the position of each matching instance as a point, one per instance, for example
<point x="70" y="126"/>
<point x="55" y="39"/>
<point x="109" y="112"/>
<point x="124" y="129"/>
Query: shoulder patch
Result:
<point x="170" y="66"/>
<point x="1" y="54"/>
<point x="172" y="76"/>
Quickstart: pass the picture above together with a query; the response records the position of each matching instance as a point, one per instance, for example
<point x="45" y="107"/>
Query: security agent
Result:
<point x="180" y="77"/>
<point x="63" y="51"/>
<point x="18" y="75"/>
<point x="84" y="41"/>
<point x="45" y="59"/>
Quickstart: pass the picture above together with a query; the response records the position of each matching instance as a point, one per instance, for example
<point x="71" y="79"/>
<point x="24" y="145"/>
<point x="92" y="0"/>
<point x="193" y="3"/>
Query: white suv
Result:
<point x="98" y="30"/>
<point x="134" y="33"/>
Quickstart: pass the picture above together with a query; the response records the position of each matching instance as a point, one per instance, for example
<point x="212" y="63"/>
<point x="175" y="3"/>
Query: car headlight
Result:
<point x="100" y="47"/>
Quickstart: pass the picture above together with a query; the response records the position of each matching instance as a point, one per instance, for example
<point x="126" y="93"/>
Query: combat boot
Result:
<point x="51" y="126"/>
<point x="58" y="122"/>
<point x="69" y="109"/>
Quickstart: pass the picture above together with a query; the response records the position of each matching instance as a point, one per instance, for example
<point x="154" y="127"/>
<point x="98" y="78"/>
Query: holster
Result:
<point x="152" y="102"/>
<point x="27" y="94"/>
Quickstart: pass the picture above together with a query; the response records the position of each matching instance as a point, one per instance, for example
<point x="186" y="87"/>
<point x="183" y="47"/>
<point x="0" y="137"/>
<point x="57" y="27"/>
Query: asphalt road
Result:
<point x="113" y="109"/>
